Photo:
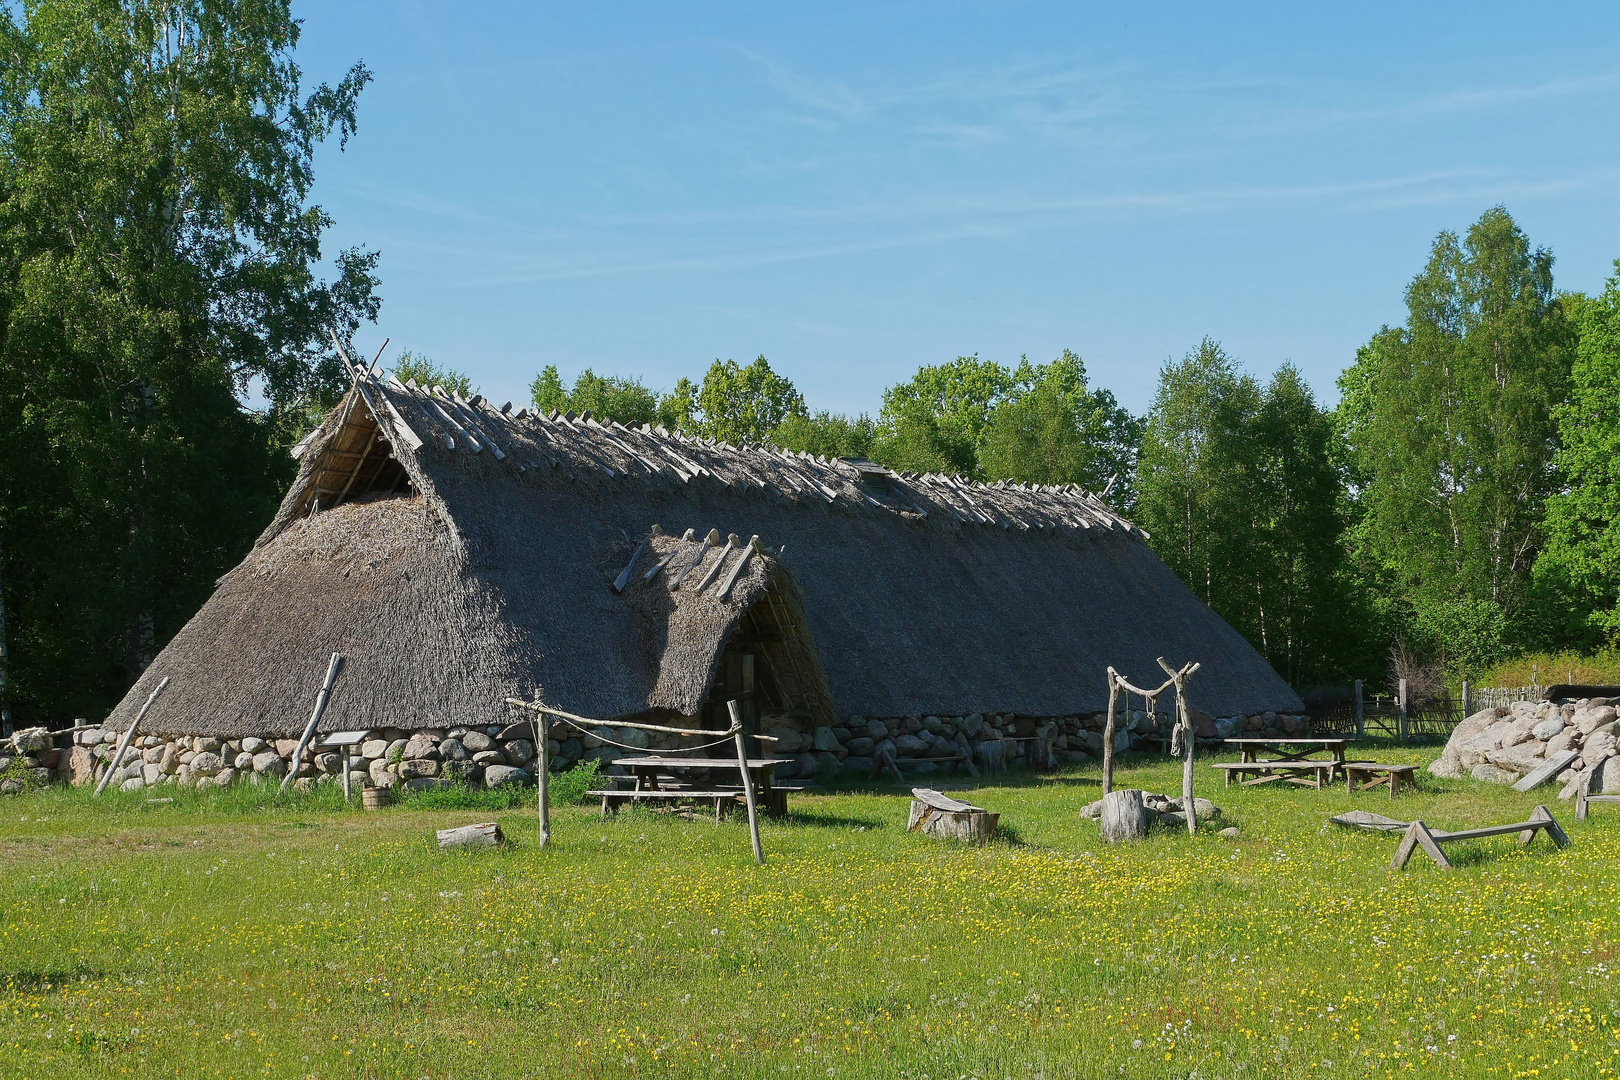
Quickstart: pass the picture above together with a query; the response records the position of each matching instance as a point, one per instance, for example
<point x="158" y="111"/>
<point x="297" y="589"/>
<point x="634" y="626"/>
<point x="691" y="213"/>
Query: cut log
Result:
<point x="1542" y="773"/>
<point x="1361" y="819"/>
<point x="483" y="834"/>
<point x="1124" y="816"/>
<point x="937" y="815"/>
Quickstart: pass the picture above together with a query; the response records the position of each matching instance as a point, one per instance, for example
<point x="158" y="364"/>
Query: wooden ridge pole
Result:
<point x="314" y="718"/>
<point x="735" y="708"/>
<point x="129" y="733"/>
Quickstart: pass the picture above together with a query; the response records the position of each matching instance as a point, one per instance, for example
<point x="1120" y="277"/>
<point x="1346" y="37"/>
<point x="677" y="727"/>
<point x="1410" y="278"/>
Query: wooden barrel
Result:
<point x="374" y="798"/>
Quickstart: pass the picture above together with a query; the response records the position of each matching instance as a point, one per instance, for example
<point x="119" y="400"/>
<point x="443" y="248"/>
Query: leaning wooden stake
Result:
<point x="748" y="781"/>
<point x="314" y="718"/>
<point x="123" y="744"/>
<point x="1184" y="721"/>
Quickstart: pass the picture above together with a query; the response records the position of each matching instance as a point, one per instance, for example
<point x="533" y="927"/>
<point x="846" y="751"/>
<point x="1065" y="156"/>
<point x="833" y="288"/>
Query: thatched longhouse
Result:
<point x="457" y="554"/>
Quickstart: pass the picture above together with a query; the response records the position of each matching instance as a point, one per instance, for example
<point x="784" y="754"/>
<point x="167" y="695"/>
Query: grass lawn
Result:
<point x="235" y="935"/>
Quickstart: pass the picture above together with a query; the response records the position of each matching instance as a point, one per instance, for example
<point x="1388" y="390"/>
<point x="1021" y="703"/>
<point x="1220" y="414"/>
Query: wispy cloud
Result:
<point x="706" y="242"/>
<point x="1261" y="119"/>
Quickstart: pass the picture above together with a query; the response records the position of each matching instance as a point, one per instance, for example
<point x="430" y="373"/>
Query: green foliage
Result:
<point x="1039" y="424"/>
<point x="1450" y="425"/>
<point x="744" y="404"/>
<point x="411" y="365"/>
<point x="569" y="788"/>
<point x="1051" y="428"/>
<point x="1581" y="561"/>
<point x="827" y="434"/>
<point x="157" y="259"/>
<point x="1599" y="668"/>
<point x="605" y="397"/>
<point x="1464" y="636"/>
<point x="933" y="423"/>
<point x="677" y="410"/>
<point x="465" y="797"/>
<point x="1239" y="493"/>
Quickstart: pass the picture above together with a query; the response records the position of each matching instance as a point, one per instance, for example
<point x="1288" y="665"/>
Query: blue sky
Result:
<point x="857" y="190"/>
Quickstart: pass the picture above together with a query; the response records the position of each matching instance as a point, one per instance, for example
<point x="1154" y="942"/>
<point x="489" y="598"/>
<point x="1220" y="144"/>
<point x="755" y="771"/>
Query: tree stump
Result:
<point x="938" y="815"/>
<point x="1124" y="816"/>
<point x="483" y="834"/>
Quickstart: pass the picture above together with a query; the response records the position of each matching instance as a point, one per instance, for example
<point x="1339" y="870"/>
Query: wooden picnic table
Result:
<point x="1292" y="760"/>
<point x="648" y="773"/>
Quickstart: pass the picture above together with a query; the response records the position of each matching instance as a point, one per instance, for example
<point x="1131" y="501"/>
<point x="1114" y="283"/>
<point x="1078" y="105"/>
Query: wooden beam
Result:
<point x="129" y="733"/>
<point x="314" y="718"/>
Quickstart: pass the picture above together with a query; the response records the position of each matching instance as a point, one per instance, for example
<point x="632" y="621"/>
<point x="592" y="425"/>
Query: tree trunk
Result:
<point x="5" y="654"/>
<point x="1124" y="816"/>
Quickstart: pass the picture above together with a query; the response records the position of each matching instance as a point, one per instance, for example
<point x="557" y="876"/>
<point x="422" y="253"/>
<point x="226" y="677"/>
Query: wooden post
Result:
<point x="542" y="736"/>
<point x="1361" y="713"/>
<point x="1108" y="732"/>
<point x="123" y="744"/>
<point x="1465" y="700"/>
<point x="314" y="718"/>
<point x="1184" y="722"/>
<point x="346" y="774"/>
<point x="1535" y="681"/>
<point x="735" y="709"/>
<point x="1403" y="711"/>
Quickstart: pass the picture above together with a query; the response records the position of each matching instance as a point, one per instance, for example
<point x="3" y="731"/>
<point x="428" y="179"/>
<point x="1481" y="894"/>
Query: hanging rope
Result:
<point x="727" y="737"/>
<point x="587" y="725"/>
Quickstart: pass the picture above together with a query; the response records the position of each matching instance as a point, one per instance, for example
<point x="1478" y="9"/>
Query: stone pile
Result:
<point x="1502" y="745"/>
<point x="1164" y="809"/>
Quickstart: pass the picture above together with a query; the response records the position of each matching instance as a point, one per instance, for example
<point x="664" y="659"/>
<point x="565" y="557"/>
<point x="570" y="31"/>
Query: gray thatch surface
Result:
<point x="922" y="594"/>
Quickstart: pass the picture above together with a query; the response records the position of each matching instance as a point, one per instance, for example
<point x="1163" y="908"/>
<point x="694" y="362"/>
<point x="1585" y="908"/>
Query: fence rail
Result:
<point x="1500" y="697"/>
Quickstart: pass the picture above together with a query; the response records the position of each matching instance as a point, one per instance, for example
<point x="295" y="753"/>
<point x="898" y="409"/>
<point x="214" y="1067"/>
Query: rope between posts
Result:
<point x="625" y="746"/>
<point x="538" y="706"/>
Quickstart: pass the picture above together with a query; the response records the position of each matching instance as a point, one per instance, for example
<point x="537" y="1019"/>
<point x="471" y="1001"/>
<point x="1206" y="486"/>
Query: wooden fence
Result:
<point x="1392" y="715"/>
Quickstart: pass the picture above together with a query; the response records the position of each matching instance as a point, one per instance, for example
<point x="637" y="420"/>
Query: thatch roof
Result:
<point x="457" y="553"/>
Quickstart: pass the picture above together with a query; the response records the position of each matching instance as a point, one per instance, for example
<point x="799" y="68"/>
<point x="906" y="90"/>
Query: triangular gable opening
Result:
<point x="357" y="461"/>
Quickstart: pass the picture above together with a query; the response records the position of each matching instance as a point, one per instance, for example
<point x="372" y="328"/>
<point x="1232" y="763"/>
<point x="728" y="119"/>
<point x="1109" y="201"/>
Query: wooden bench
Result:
<point x="1419" y="835"/>
<point x="1371" y="774"/>
<point x="1582" y="799"/>
<point x="613" y="798"/>
<point x="1268" y="771"/>
<point x="774" y="805"/>
<point x="885" y="760"/>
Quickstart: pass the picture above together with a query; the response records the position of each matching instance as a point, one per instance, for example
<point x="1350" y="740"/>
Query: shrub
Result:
<point x="569" y="788"/>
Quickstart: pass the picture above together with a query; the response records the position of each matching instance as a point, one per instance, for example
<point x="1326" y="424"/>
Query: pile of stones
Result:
<point x="27" y="759"/>
<point x="1502" y="745"/>
<point x="1163" y="809"/>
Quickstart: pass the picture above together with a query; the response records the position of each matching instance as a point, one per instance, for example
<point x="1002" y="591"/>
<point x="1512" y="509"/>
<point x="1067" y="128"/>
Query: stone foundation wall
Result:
<point x="505" y="754"/>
